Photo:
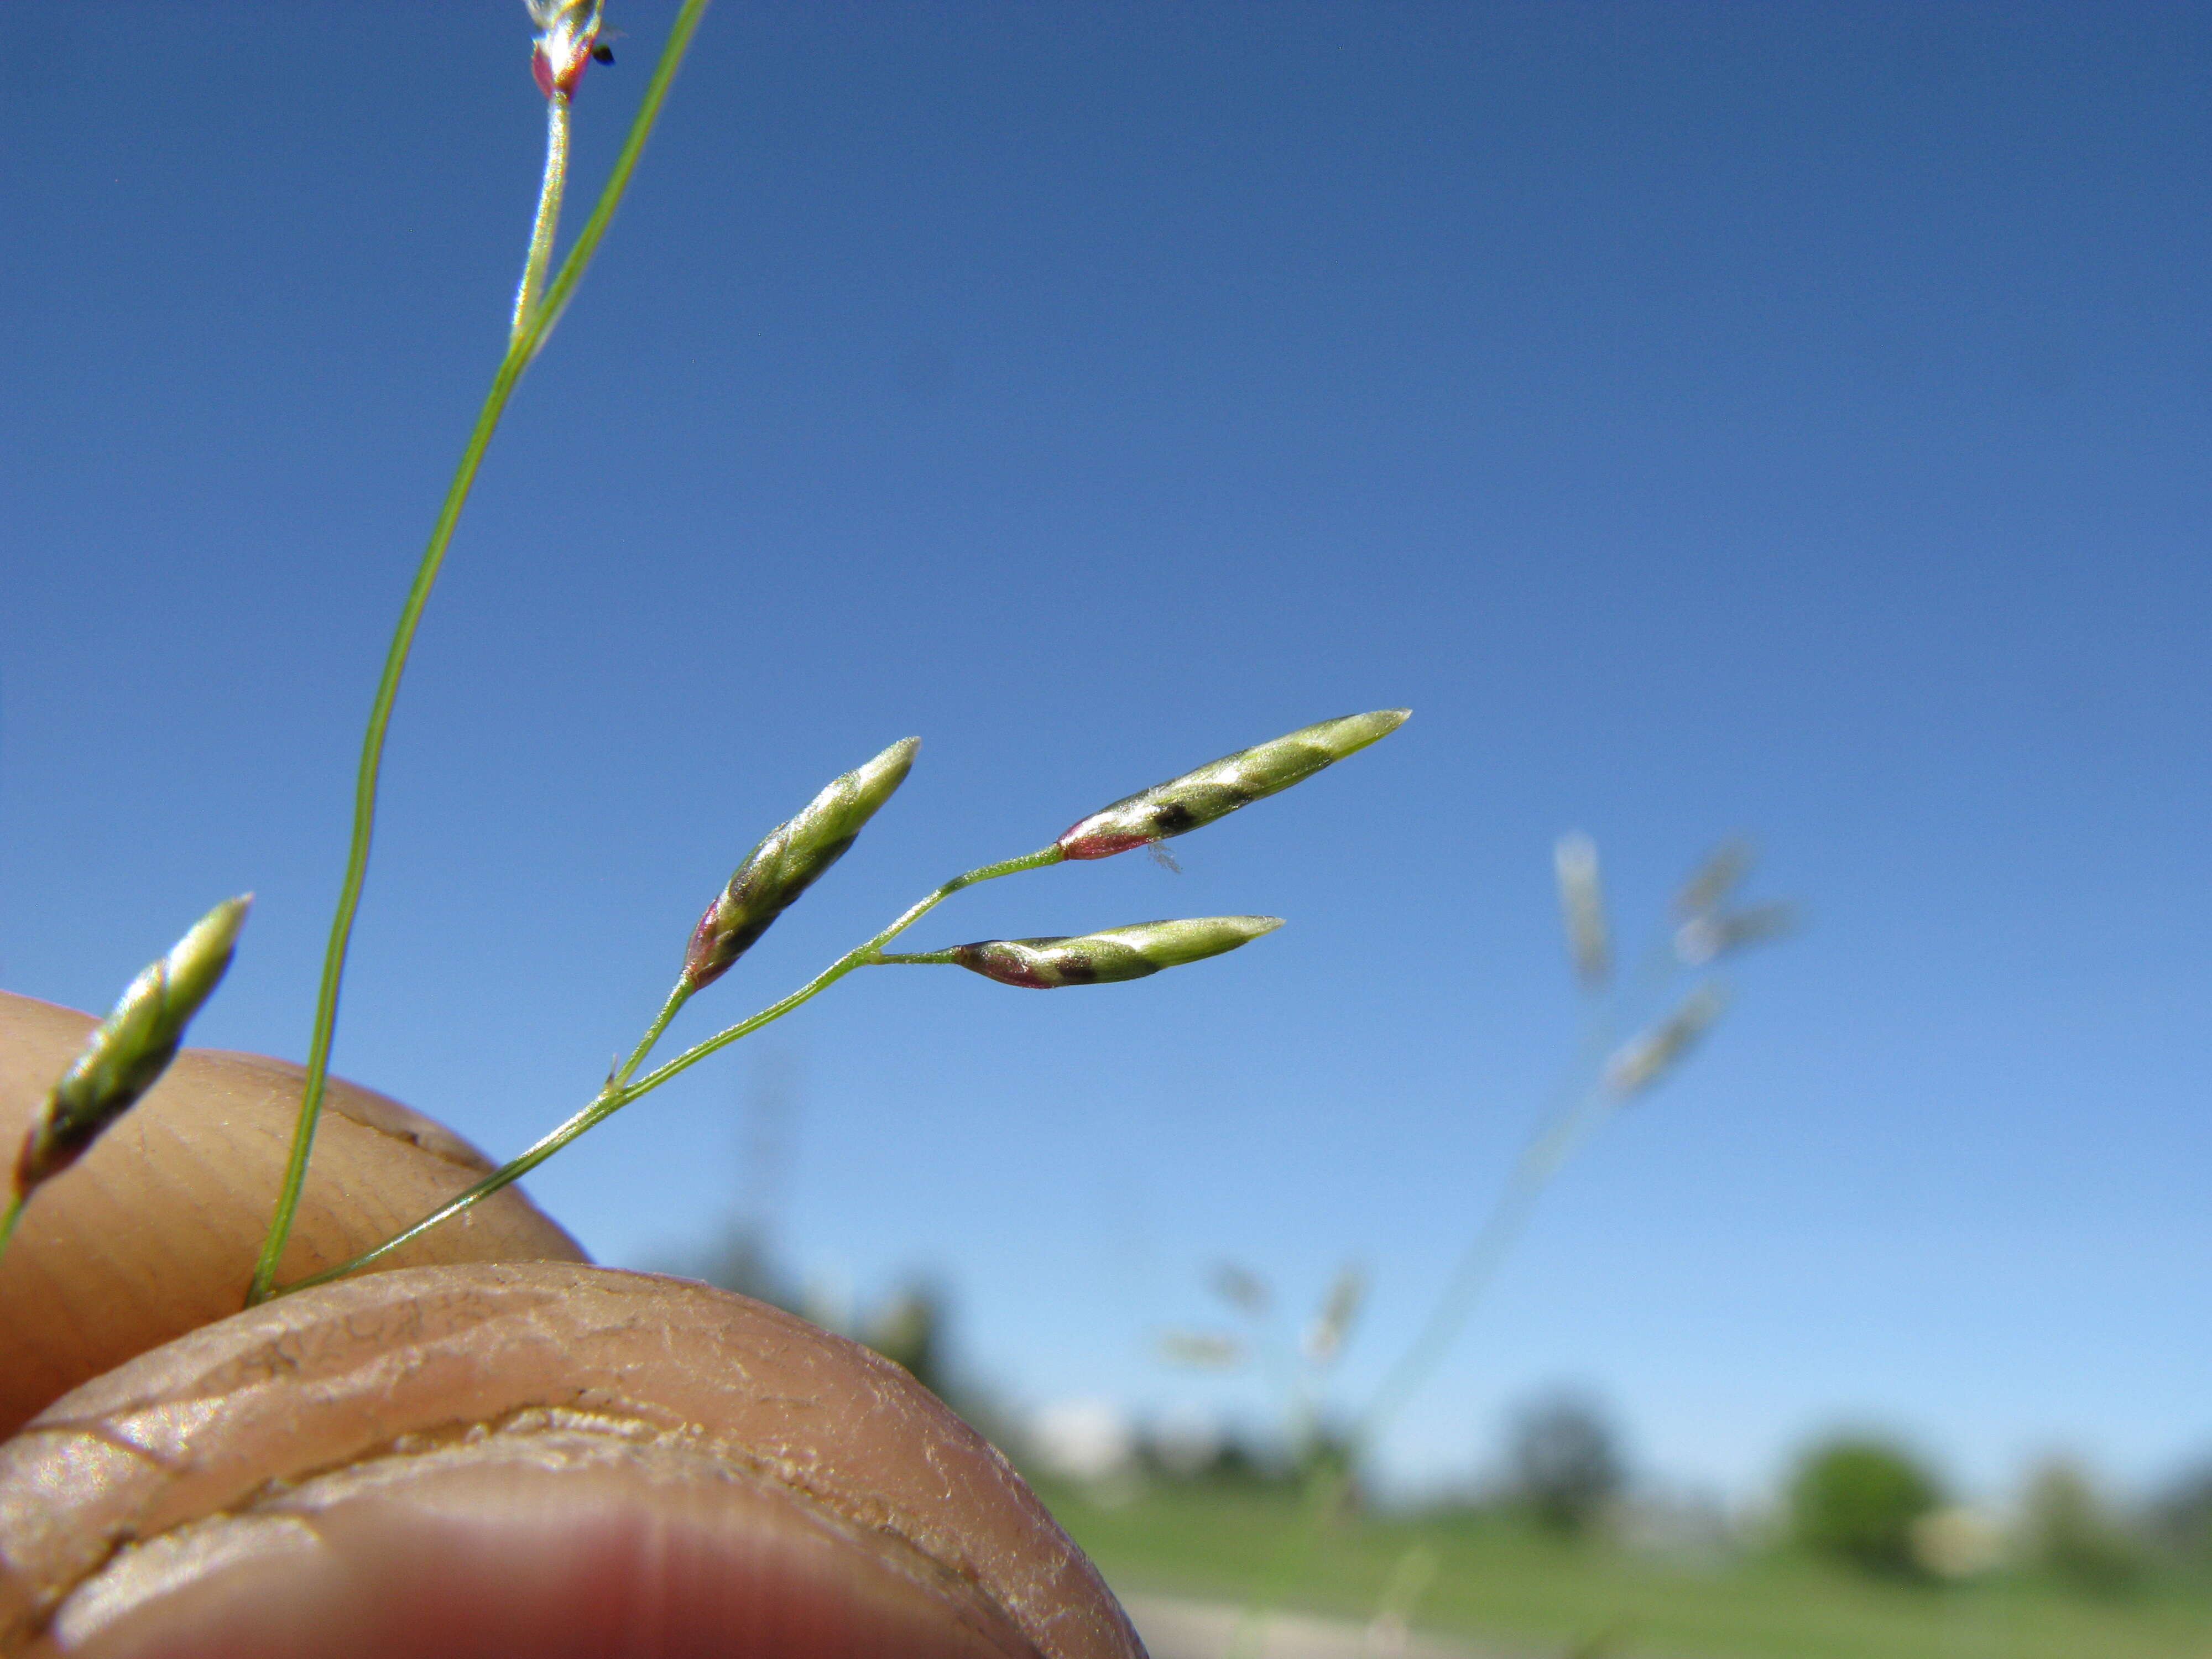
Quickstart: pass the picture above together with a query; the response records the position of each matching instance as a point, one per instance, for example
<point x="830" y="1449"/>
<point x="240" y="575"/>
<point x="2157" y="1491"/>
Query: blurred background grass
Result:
<point x="1860" y="1550"/>
<point x="1500" y="1574"/>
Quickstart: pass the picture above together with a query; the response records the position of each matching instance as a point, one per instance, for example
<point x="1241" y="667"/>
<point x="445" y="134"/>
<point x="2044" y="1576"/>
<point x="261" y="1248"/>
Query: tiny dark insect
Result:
<point x="603" y="54"/>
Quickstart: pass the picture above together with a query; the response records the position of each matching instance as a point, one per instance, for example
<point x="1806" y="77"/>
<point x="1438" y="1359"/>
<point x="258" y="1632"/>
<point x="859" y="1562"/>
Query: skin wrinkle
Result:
<point x="106" y="1436"/>
<point x="70" y="1622"/>
<point x="817" y="1416"/>
<point x="518" y="1426"/>
<point x="228" y="1070"/>
<point x="155" y="1434"/>
<point x="264" y="1367"/>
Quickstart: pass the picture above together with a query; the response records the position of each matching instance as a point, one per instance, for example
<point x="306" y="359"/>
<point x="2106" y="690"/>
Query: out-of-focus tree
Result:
<point x="2068" y="1532"/>
<point x="743" y="1262"/>
<point x="910" y="1329"/>
<point x="2181" y="1516"/>
<point x="1565" y="1462"/>
<point x="1857" y="1498"/>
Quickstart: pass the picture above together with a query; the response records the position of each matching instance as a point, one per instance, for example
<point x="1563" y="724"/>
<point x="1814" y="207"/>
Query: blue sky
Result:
<point x="1783" y="419"/>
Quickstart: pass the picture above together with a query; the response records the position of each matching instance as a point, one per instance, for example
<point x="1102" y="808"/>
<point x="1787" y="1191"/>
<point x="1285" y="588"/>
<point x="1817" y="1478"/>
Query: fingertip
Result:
<point x="485" y="1434"/>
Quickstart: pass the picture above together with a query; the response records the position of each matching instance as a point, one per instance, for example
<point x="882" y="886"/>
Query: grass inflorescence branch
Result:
<point x="1605" y="1075"/>
<point x="789" y="858"/>
<point x="785" y="863"/>
<point x="618" y="1092"/>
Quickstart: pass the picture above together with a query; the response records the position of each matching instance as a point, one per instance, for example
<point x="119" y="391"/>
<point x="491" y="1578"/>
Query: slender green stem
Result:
<point x="677" y="999"/>
<point x="9" y="1217"/>
<point x="522" y="347"/>
<point x="859" y="956"/>
<point x="1579" y="1107"/>
<point x="1326" y="1485"/>
<point x="1546" y="1153"/>
<point x="547" y="225"/>
<point x="618" y="1092"/>
<point x="563" y="288"/>
<point x="884" y="956"/>
<point x="364" y="822"/>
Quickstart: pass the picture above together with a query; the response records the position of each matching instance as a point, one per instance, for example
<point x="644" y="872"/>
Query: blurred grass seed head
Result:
<point x="1641" y="1062"/>
<point x="1242" y="1289"/>
<point x="1582" y="908"/>
<point x="1711" y="881"/>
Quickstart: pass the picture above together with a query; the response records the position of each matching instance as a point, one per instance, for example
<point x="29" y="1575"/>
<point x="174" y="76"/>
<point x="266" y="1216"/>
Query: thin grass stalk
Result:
<point x="547" y="225"/>
<point x="523" y="345"/>
<point x="1580" y="1105"/>
<point x="1547" y="1151"/>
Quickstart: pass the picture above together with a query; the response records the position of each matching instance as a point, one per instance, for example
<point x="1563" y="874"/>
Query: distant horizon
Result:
<point x="1259" y="1426"/>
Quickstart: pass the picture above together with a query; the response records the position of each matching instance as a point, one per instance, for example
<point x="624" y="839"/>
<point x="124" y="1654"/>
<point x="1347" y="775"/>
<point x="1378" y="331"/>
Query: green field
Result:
<point x="1497" y="1577"/>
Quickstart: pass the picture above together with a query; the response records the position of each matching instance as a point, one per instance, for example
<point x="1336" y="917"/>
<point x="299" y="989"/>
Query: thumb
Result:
<point x="538" y="1459"/>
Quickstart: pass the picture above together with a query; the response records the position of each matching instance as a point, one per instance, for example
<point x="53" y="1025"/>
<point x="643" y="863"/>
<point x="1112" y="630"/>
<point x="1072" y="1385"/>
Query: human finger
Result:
<point x="155" y="1230"/>
<point x="543" y="1459"/>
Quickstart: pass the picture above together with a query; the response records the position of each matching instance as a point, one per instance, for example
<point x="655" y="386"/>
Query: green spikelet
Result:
<point x="789" y="860"/>
<point x="1220" y="788"/>
<point x="1044" y="964"/>
<point x="130" y="1049"/>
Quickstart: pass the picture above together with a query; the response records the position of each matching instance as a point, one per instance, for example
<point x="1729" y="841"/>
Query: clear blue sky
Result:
<point x="1791" y="419"/>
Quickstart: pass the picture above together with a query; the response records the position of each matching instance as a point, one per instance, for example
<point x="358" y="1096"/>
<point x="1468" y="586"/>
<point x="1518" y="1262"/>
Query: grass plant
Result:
<point x="1465" y="1572"/>
<point x="129" y="1052"/>
<point x="1637" y="1028"/>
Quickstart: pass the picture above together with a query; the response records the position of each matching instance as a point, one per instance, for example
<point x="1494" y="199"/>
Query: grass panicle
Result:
<point x="1604" y="1075"/>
